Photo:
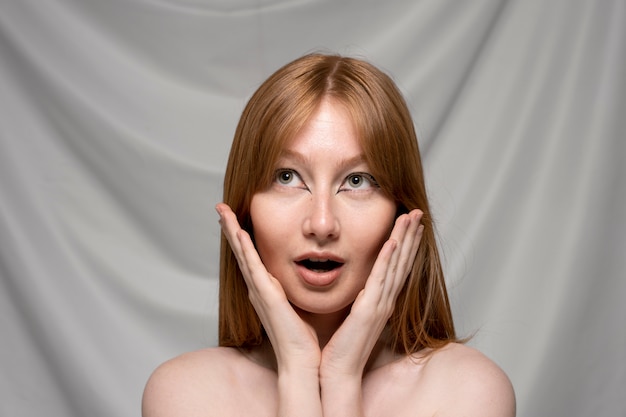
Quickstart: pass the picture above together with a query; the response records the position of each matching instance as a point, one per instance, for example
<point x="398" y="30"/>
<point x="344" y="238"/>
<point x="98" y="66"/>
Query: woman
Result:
<point x="332" y="298"/>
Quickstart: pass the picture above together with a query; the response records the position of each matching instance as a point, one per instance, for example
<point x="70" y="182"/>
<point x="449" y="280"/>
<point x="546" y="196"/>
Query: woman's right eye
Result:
<point x="289" y="178"/>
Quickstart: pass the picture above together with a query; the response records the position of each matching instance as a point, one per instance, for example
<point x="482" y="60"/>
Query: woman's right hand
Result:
<point x="294" y="342"/>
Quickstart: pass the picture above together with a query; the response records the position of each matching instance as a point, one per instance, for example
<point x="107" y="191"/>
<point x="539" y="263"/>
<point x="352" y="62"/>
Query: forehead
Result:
<point x="330" y="129"/>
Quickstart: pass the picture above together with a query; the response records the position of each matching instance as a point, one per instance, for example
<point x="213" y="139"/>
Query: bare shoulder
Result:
<point x="194" y="384"/>
<point x="471" y="383"/>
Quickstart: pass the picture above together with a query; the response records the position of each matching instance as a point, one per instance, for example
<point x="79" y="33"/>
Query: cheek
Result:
<point x="370" y="233"/>
<point x="259" y="216"/>
<point x="269" y="228"/>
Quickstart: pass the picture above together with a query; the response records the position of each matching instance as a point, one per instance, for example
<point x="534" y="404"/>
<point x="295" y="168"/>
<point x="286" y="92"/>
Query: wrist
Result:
<point x="330" y="381"/>
<point x="341" y="395"/>
<point x="298" y="392"/>
<point x="338" y="373"/>
<point x="290" y="375"/>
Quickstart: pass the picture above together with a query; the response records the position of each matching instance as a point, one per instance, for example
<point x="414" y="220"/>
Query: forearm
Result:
<point x="299" y="394"/>
<point x="303" y="394"/>
<point x="342" y="396"/>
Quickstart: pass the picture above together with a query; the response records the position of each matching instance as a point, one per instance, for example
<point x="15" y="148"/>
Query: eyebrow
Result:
<point x="342" y="164"/>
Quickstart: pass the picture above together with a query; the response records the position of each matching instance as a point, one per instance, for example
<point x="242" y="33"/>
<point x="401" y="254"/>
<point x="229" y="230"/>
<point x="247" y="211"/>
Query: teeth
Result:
<point x="320" y="265"/>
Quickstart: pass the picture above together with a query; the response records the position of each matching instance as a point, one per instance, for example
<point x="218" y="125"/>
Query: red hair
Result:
<point x="275" y="113"/>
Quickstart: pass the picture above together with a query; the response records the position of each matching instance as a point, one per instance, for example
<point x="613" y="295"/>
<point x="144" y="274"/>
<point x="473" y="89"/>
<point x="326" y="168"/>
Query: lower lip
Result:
<point x="318" y="279"/>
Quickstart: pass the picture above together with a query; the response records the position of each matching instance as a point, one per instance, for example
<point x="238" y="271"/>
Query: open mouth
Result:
<point x="319" y="265"/>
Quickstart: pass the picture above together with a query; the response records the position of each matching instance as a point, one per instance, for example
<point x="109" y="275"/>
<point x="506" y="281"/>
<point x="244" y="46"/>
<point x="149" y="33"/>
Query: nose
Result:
<point x="321" y="221"/>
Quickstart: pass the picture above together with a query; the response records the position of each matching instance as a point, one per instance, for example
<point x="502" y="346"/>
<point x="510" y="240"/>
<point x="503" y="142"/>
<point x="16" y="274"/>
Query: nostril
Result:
<point x="320" y="218"/>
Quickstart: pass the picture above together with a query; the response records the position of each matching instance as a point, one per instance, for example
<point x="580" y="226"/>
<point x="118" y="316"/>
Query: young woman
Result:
<point x="332" y="297"/>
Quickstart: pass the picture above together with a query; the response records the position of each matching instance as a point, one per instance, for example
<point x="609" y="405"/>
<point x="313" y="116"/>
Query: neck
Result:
<point x="324" y="325"/>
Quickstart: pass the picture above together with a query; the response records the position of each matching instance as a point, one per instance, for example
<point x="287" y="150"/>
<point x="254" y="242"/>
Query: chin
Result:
<point x="324" y="307"/>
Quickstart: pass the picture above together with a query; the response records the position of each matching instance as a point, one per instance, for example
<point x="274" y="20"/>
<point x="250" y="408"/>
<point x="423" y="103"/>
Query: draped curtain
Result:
<point x="116" y="119"/>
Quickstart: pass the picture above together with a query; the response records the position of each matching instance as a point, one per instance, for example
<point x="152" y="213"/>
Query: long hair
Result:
<point x="274" y="114"/>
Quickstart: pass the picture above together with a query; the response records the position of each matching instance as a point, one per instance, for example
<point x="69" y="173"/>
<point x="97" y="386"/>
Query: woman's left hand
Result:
<point x="347" y="352"/>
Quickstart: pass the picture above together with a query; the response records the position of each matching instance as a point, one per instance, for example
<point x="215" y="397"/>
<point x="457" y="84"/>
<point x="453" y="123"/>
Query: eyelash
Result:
<point x="363" y="175"/>
<point x="294" y="173"/>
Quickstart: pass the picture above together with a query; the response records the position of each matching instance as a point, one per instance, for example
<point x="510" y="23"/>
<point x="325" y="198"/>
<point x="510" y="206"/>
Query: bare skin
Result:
<point x="452" y="381"/>
<point x="326" y="352"/>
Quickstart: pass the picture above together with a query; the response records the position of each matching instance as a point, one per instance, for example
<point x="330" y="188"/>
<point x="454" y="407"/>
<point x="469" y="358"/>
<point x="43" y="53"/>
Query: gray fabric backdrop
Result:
<point x="116" y="117"/>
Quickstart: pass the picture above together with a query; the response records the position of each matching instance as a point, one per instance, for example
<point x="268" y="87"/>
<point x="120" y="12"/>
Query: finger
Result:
<point x="408" y="248"/>
<point x="230" y="226"/>
<point x="403" y="231"/>
<point x="375" y="286"/>
<point x="251" y="259"/>
<point x="241" y="244"/>
<point x="379" y="270"/>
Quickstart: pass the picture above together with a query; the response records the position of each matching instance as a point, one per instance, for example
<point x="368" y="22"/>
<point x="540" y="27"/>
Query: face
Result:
<point x="320" y="225"/>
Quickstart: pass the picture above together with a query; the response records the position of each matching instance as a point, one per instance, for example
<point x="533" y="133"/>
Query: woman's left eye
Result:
<point x="288" y="177"/>
<point x="359" y="181"/>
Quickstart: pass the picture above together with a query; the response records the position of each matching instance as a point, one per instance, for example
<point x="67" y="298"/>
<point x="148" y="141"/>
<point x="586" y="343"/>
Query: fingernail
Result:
<point x="219" y="213"/>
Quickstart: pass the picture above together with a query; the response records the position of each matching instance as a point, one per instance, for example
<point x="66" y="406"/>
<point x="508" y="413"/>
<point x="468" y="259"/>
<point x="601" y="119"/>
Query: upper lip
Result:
<point x="320" y="257"/>
<point x="319" y="262"/>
